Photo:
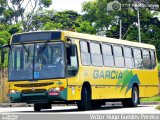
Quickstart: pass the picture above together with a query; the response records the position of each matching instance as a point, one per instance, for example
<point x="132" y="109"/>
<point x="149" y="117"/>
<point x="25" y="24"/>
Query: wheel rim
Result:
<point x="135" y="99"/>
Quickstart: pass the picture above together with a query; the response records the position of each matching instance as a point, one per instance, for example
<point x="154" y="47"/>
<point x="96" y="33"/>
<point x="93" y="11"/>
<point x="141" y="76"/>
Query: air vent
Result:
<point x="32" y="91"/>
<point x="34" y="84"/>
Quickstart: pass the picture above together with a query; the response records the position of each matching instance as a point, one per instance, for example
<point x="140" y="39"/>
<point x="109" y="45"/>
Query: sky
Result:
<point x="60" y="5"/>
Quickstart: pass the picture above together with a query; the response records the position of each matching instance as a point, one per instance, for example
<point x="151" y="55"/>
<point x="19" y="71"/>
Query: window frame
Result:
<point x="121" y="46"/>
<point x="145" y="49"/>
<point x="155" y="57"/>
<point x="138" y="48"/>
<point x="132" y="56"/>
<point x="123" y="56"/>
<point x="82" y="40"/>
<point x="111" y="45"/>
<point x="100" y="48"/>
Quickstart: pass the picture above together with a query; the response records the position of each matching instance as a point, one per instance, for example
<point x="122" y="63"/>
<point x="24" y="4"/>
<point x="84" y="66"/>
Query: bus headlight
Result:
<point x="57" y="89"/>
<point x="54" y="91"/>
<point x="13" y="91"/>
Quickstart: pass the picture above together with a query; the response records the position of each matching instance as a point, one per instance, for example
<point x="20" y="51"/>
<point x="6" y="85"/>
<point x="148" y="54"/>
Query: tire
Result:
<point x="134" y="100"/>
<point x="37" y="107"/>
<point x="85" y="102"/>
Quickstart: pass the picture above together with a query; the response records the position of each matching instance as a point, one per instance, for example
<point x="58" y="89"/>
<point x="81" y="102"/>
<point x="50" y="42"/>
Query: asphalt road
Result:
<point x="109" y="109"/>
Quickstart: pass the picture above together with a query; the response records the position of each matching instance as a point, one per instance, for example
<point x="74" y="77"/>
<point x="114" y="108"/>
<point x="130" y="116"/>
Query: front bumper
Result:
<point x="44" y="97"/>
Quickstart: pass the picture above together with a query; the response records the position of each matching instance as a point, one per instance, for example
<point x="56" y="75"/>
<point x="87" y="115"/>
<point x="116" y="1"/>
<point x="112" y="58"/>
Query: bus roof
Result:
<point x="97" y="38"/>
<point x="106" y="39"/>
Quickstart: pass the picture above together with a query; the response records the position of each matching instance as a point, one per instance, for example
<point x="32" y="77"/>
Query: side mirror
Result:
<point x="3" y="52"/>
<point x="72" y="50"/>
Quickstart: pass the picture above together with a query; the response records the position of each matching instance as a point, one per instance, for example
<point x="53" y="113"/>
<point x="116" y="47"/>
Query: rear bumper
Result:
<point x="38" y="97"/>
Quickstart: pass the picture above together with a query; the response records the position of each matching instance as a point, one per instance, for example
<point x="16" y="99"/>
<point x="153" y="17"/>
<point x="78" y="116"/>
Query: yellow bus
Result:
<point x="50" y="67"/>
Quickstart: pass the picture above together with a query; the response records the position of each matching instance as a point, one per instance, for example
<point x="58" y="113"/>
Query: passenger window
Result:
<point x="129" y="63"/>
<point x="107" y="55"/>
<point x="84" y="47"/>
<point x="153" y="59"/>
<point x="118" y="56"/>
<point x="138" y="58"/>
<point x="85" y="54"/>
<point x="146" y="59"/>
<point x="96" y="55"/>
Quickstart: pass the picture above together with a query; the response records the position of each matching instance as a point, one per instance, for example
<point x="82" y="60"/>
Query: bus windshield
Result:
<point x="36" y="61"/>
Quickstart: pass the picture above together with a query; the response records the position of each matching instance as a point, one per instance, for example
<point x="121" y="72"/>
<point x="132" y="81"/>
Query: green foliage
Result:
<point x="86" y="27"/>
<point x="4" y="37"/>
<point x="107" y="22"/>
<point x="159" y="66"/>
<point x="158" y="107"/>
<point x="152" y="99"/>
<point x="52" y="26"/>
<point x="12" y="29"/>
<point x="7" y="30"/>
<point x="66" y="18"/>
<point x="8" y="13"/>
<point x="15" y="11"/>
<point x="63" y="20"/>
<point x="46" y="3"/>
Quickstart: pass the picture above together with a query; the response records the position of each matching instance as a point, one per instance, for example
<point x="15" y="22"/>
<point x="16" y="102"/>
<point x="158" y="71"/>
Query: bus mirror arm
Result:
<point x="3" y="52"/>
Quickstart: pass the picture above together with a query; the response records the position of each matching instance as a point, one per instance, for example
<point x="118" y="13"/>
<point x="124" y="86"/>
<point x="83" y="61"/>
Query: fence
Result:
<point x="3" y="85"/>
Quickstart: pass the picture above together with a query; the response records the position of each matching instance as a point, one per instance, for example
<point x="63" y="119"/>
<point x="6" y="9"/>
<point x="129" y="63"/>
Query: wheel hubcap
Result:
<point x="135" y="97"/>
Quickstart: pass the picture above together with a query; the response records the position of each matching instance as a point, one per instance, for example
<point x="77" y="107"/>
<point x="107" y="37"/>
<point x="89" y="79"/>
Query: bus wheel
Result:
<point x="85" y="102"/>
<point x="134" y="100"/>
<point x="37" y="107"/>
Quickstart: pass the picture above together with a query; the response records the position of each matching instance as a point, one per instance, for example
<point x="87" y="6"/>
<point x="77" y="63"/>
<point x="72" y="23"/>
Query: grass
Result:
<point x="158" y="107"/>
<point x="152" y="99"/>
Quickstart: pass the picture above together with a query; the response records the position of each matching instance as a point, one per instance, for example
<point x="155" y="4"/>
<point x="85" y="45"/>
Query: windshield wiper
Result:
<point x="27" y="50"/>
<point x="43" y="47"/>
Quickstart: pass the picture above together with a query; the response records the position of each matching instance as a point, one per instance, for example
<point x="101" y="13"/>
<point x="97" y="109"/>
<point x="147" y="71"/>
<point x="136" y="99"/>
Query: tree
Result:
<point x="63" y="20"/>
<point x="84" y="26"/>
<point x="108" y="22"/>
<point x="68" y="20"/>
<point x="15" y="11"/>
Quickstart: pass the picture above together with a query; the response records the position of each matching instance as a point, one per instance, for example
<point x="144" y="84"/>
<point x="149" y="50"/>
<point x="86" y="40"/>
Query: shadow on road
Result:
<point x="76" y="110"/>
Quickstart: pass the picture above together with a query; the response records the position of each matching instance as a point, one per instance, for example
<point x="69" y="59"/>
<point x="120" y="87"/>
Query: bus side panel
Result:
<point x="113" y="88"/>
<point x="148" y="86"/>
<point x="111" y="83"/>
<point x="109" y="93"/>
<point x="116" y="87"/>
<point x="107" y="83"/>
<point x="74" y="83"/>
<point x="74" y="88"/>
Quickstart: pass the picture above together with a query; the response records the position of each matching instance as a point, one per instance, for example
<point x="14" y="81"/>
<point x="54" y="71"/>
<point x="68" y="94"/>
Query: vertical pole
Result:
<point x="139" y="26"/>
<point x="1" y="84"/>
<point x="120" y="29"/>
<point x="2" y="87"/>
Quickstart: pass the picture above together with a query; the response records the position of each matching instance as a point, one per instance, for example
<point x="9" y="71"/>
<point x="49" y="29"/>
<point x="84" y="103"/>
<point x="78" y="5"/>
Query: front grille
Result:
<point x="30" y="91"/>
<point x="34" y="98"/>
<point x="34" y="84"/>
